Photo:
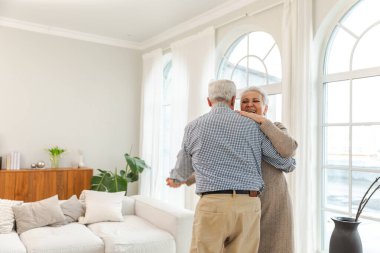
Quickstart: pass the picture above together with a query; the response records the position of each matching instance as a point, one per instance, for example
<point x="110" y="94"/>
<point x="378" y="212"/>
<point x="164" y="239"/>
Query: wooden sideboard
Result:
<point x="35" y="184"/>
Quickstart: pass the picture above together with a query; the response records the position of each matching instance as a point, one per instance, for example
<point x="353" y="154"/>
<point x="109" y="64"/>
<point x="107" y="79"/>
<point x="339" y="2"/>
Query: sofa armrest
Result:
<point x="178" y="222"/>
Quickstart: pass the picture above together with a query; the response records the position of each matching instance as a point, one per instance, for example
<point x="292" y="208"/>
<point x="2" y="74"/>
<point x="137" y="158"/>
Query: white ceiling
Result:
<point x="134" y="21"/>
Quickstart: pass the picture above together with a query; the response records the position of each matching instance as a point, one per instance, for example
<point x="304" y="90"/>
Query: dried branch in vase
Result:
<point x="365" y="199"/>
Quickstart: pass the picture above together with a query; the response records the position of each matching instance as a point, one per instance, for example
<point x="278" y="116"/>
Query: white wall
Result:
<point x="74" y="94"/>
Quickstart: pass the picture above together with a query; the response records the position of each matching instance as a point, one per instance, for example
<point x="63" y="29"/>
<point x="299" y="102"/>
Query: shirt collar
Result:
<point x="220" y="107"/>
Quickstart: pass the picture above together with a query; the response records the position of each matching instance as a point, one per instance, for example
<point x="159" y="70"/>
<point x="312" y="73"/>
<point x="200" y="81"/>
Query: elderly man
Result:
<point x="225" y="150"/>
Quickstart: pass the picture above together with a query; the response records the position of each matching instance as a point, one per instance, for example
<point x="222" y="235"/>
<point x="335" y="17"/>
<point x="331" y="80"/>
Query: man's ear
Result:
<point x="232" y="102"/>
<point x="209" y="102"/>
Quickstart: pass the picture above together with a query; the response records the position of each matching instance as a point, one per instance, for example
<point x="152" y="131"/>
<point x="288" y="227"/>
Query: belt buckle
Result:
<point x="252" y="194"/>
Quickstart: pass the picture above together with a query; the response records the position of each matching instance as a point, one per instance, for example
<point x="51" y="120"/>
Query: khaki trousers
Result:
<point x="226" y="223"/>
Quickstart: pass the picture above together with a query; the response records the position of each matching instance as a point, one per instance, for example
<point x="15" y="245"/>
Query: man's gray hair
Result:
<point x="221" y="90"/>
<point x="258" y="90"/>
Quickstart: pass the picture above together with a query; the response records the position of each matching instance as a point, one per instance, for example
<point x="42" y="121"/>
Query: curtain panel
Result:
<point x="193" y="68"/>
<point x="299" y="110"/>
<point x="151" y="95"/>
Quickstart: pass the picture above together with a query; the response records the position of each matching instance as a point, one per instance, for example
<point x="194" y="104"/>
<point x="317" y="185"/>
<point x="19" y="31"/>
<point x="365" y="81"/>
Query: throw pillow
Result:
<point x="38" y="214"/>
<point x="7" y="218"/>
<point x="102" y="206"/>
<point x="72" y="209"/>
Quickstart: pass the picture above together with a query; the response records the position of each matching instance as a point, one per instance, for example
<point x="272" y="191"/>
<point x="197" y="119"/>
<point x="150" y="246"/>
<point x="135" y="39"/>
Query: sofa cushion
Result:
<point x="133" y="235"/>
<point x="72" y="209"/>
<point x="7" y="218"/>
<point x="38" y="214"/>
<point x="102" y="206"/>
<point x="71" y="238"/>
<point x="11" y="243"/>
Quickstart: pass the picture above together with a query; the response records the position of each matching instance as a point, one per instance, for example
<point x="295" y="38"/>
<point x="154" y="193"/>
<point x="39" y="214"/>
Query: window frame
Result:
<point x="325" y="78"/>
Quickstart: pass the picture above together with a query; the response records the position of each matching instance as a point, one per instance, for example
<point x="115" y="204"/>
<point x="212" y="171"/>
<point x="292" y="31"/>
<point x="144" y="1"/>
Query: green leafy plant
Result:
<point x="56" y="151"/>
<point x="118" y="181"/>
<point x="367" y="196"/>
<point x="55" y="154"/>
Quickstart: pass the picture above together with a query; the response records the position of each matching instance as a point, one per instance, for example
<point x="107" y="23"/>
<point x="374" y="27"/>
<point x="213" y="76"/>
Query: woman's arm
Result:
<point x="281" y="140"/>
<point x="276" y="132"/>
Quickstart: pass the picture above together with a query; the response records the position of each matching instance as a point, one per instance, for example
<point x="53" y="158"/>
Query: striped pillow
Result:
<point x="7" y="218"/>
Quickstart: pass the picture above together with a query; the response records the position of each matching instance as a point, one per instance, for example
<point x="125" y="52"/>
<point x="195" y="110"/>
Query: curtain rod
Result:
<point x="248" y="14"/>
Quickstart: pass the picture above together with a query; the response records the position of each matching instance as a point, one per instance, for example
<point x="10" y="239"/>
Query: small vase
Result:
<point x="345" y="237"/>
<point x="54" y="161"/>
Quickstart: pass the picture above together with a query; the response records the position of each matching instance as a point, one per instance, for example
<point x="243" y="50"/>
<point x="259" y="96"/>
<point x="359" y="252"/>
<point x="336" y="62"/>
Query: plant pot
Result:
<point x="345" y="237"/>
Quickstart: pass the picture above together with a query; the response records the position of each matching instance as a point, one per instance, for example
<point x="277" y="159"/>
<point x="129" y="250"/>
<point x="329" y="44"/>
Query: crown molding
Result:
<point x="72" y="34"/>
<point x="196" y="21"/>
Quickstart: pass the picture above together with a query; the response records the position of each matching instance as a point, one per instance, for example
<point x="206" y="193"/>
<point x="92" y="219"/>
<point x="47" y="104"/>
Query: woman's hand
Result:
<point x="256" y="117"/>
<point x="173" y="183"/>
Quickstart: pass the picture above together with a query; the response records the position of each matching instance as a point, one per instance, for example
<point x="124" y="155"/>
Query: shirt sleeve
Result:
<point x="271" y="156"/>
<point x="183" y="168"/>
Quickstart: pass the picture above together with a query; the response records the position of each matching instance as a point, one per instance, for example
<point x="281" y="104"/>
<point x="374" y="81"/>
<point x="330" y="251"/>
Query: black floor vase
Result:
<point x="345" y="238"/>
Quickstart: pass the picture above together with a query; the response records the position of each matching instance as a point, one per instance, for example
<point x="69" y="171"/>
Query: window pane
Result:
<point x="336" y="189"/>
<point x="363" y="15"/>
<point x="360" y="184"/>
<point x="260" y="43"/>
<point x="257" y="72"/>
<point x="366" y="146"/>
<point x="275" y="108"/>
<point x="367" y="53"/>
<point x="239" y="50"/>
<point x="273" y="63"/>
<point x="365" y="99"/>
<point x="259" y="64"/>
<point x="239" y="75"/>
<point x="339" y="51"/>
<point x="337" y="102"/>
<point x="337" y="145"/>
<point x="225" y="69"/>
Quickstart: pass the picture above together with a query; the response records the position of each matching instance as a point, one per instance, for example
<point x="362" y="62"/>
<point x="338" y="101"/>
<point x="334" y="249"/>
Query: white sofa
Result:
<point x="149" y="226"/>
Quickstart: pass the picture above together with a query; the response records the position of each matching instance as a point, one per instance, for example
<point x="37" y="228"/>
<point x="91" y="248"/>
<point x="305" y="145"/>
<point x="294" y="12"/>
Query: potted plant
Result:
<point x="55" y="155"/>
<point x="345" y="237"/>
<point x="118" y="180"/>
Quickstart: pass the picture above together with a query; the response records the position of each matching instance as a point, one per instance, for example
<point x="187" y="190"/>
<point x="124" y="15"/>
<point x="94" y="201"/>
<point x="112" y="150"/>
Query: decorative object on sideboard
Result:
<point x="345" y="237"/>
<point x="55" y="155"/>
<point x="81" y="163"/>
<point x="12" y="160"/>
<point x="40" y="164"/>
<point x="33" y="166"/>
<point x="109" y="181"/>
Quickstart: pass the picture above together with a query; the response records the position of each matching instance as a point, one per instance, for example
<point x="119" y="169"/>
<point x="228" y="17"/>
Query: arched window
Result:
<point x="254" y="59"/>
<point x="351" y="121"/>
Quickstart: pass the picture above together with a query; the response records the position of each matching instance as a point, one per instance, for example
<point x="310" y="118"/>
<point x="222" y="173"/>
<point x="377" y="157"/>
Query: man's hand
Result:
<point x="173" y="183"/>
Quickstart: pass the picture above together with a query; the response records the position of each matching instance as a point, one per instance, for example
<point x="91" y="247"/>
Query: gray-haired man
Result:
<point x="225" y="151"/>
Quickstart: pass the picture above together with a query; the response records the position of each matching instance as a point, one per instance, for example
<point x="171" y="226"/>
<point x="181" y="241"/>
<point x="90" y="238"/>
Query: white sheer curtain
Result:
<point x="151" y="180"/>
<point x="193" y="68"/>
<point x="299" y="110"/>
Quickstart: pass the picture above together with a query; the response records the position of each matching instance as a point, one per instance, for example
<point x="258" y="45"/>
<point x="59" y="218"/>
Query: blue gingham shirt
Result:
<point x="225" y="151"/>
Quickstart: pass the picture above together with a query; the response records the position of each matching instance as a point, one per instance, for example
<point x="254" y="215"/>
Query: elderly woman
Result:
<point x="276" y="230"/>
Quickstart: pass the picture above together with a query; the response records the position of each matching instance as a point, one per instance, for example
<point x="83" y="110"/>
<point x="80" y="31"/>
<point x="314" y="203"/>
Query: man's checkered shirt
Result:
<point x="225" y="151"/>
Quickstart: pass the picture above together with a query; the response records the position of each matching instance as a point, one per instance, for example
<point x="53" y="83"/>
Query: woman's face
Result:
<point x="252" y="101"/>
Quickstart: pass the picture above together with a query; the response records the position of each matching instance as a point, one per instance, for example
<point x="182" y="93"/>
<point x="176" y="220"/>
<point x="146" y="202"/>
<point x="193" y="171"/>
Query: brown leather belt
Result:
<point x="250" y="193"/>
